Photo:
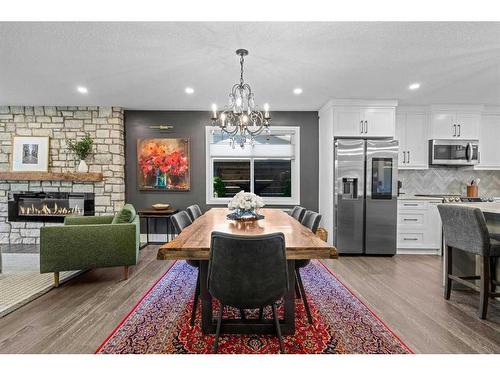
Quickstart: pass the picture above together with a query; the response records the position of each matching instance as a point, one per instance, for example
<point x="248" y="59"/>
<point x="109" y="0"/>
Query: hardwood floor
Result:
<point x="404" y="291"/>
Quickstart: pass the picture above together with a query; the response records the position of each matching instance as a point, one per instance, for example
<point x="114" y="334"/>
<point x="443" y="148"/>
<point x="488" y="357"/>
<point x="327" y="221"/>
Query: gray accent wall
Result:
<point x="191" y="124"/>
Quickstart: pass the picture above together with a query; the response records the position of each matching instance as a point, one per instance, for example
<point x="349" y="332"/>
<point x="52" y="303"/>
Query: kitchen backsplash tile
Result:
<point x="449" y="180"/>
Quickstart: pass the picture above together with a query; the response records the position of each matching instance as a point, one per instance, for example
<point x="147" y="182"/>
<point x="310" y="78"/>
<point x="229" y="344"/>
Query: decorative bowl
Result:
<point x="244" y="215"/>
<point x="161" y="206"/>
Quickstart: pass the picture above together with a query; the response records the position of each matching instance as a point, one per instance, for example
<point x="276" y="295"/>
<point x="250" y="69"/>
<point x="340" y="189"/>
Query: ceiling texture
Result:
<point x="148" y="65"/>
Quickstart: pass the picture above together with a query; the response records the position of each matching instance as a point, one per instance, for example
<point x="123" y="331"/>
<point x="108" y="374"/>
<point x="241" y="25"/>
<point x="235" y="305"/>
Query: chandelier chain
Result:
<point x="241" y="69"/>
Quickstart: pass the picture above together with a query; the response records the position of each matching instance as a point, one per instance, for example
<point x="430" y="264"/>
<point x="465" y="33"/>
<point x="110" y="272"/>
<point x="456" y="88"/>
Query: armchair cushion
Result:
<point x="125" y="215"/>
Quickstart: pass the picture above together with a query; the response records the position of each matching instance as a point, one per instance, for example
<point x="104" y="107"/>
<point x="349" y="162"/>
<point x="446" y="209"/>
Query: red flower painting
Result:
<point x="163" y="164"/>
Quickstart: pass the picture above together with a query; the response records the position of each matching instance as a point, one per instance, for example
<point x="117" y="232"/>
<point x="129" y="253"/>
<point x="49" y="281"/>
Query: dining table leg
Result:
<point x="288" y="324"/>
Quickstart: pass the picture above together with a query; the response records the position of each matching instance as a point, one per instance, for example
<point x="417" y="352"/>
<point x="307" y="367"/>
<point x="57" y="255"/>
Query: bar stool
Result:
<point x="465" y="229"/>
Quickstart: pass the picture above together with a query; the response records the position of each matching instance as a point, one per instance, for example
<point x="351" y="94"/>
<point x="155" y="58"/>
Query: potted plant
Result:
<point x="219" y="187"/>
<point x="82" y="149"/>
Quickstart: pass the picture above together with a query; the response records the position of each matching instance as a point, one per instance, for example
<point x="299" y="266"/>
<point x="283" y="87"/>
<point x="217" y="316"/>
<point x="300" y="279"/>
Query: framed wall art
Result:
<point x="163" y="164"/>
<point x="30" y="154"/>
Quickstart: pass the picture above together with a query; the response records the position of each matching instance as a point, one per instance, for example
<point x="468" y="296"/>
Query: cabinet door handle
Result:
<point x="361" y="127"/>
<point x="410" y="204"/>
<point x="366" y="127"/>
<point x="410" y="219"/>
<point x="454" y="130"/>
<point x="459" y="130"/>
<point x="404" y="157"/>
<point x="410" y="239"/>
<point x="408" y="157"/>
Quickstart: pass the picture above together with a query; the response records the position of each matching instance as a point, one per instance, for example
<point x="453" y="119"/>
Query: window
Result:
<point x="269" y="168"/>
<point x="230" y="177"/>
<point x="272" y="178"/>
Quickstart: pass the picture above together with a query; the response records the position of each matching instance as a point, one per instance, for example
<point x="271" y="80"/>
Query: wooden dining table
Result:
<point x="194" y="243"/>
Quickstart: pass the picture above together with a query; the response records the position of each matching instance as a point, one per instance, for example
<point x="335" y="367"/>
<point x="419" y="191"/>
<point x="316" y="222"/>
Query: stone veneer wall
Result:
<point x="449" y="180"/>
<point x="106" y="127"/>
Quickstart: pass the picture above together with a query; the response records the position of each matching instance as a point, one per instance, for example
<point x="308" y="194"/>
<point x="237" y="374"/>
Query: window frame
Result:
<point x="275" y="201"/>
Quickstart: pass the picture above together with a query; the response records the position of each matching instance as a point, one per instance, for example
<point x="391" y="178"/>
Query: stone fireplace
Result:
<point x="49" y="207"/>
<point x="104" y="124"/>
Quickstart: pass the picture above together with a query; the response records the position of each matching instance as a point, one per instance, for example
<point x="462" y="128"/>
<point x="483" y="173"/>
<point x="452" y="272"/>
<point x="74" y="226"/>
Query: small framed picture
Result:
<point x="30" y="154"/>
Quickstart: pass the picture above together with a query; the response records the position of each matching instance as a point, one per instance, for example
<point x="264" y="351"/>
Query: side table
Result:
<point x="151" y="213"/>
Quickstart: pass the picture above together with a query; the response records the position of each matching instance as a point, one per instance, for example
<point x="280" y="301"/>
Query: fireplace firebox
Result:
<point x="49" y="206"/>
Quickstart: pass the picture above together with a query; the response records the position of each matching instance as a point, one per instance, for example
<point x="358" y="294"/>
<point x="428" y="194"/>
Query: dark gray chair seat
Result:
<point x="465" y="229"/>
<point x="247" y="272"/>
<point x="182" y="220"/>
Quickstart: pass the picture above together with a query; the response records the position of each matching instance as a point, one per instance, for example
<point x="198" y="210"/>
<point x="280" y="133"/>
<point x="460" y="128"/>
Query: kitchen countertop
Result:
<point x="409" y="197"/>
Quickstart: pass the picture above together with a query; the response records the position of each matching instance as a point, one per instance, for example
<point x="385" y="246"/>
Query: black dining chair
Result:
<point x="247" y="272"/>
<point x="465" y="229"/>
<point x="182" y="220"/>
<point x="194" y="212"/>
<point x="298" y="213"/>
<point x="310" y="220"/>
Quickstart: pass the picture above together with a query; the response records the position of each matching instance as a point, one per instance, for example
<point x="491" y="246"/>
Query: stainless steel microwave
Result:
<point x="453" y="152"/>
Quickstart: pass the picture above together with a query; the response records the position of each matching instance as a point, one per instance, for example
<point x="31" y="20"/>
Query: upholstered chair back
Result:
<point x="181" y="220"/>
<point x="194" y="212"/>
<point x="465" y="228"/>
<point x="311" y="220"/>
<point x="247" y="271"/>
<point x="298" y="213"/>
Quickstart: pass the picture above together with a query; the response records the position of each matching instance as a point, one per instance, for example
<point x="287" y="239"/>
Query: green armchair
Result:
<point x="86" y="242"/>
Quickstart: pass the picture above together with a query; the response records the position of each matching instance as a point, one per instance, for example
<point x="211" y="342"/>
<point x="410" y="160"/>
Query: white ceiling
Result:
<point x="148" y="65"/>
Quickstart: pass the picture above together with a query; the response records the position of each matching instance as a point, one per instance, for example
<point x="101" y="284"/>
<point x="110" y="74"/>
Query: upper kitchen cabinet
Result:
<point x="412" y="132"/>
<point x="489" y="157"/>
<point x="363" y="118"/>
<point x="455" y="122"/>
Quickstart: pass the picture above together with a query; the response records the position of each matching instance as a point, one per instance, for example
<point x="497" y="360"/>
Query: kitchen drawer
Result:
<point x="410" y="239"/>
<point x="411" y="219"/>
<point x="412" y="205"/>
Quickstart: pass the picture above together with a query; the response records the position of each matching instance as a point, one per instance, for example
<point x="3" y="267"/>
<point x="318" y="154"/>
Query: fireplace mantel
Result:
<point x="51" y="176"/>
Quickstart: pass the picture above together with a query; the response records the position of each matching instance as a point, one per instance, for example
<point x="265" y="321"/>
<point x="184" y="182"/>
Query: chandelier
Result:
<point x="240" y="119"/>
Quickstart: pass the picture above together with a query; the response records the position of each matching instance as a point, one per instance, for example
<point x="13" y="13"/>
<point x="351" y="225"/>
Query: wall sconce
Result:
<point x="162" y="127"/>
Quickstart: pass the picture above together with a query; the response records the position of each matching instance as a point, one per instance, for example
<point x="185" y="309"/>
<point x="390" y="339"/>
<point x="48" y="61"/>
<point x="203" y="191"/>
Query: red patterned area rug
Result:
<point x="159" y="323"/>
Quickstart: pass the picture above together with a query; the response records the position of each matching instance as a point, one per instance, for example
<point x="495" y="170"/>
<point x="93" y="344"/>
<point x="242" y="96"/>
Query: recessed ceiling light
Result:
<point x="189" y="90"/>
<point x="297" y="91"/>
<point x="414" y="86"/>
<point x="82" y="90"/>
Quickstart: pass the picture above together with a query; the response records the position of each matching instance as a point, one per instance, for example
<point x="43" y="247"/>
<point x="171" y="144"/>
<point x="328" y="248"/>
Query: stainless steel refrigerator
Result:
<point x="365" y="202"/>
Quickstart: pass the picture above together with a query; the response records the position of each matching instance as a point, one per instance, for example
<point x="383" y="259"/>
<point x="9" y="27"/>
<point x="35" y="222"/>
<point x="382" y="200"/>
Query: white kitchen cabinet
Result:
<point x="363" y="122"/>
<point x="412" y="134"/>
<point x="419" y="227"/>
<point x="348" y="122"/>
<point x="455" y="122"/>
<point x="379" y="122"/>
<point x="488" y="142"/>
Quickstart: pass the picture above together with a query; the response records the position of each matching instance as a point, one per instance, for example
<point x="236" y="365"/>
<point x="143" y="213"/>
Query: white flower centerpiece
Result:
<point x="245" y="206"/>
